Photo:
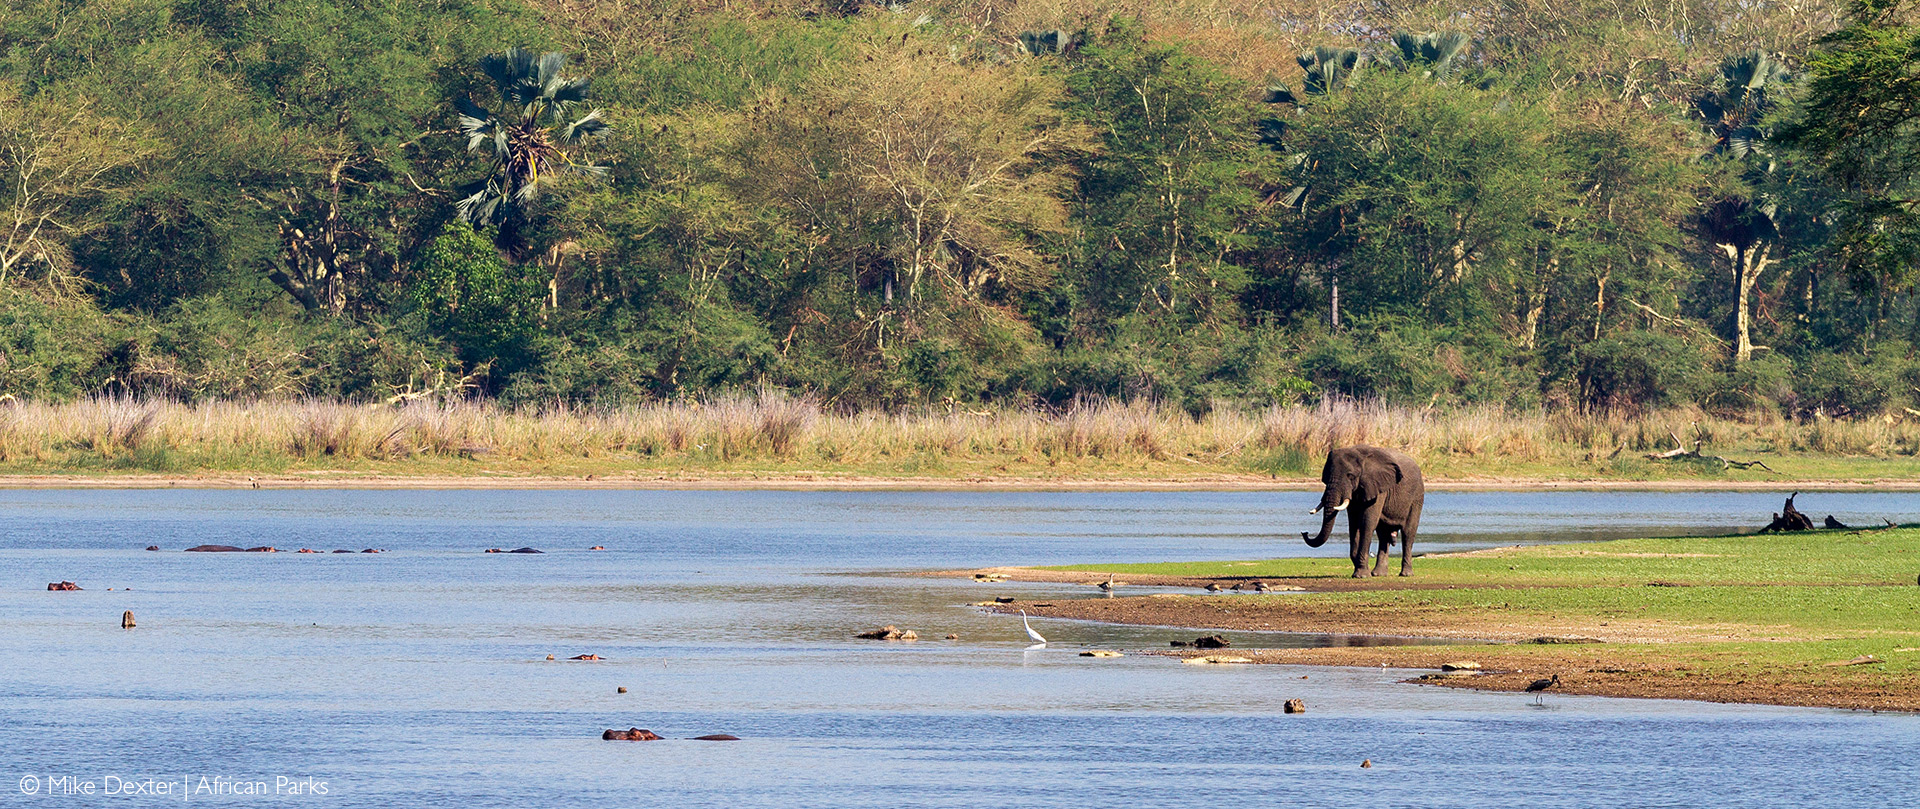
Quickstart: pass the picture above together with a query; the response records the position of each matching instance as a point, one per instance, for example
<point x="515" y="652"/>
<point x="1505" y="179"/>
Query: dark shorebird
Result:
<point x="1538" y="686"/>
<point x="1107" y="586"/>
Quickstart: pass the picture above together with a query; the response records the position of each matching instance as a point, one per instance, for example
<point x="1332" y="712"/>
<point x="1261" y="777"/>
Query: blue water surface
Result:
<point x="418" y="676"/>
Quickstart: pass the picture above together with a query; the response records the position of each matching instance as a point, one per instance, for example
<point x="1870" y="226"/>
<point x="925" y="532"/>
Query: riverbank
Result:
<point x="1825" y="619"/>
<point x="825" y="481"/>
<point x="770" y="440"/>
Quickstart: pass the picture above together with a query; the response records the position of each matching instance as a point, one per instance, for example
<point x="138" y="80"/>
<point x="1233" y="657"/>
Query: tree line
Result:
<point x="1587" y="204"/>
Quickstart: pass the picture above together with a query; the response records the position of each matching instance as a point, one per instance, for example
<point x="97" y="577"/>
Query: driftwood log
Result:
<point x="1790" y="518"/>
<point x="1680" y="451"/>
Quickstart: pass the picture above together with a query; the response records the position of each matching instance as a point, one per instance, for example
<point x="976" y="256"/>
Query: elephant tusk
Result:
<point x="1343" y="504"/>
<point x="1316" y="510"/>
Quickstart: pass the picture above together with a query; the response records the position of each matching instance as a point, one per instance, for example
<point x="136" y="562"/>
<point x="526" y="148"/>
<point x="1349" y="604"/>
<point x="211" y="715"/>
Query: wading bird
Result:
<point x="1537" y="686"/>
<point x="1030" y="633"/>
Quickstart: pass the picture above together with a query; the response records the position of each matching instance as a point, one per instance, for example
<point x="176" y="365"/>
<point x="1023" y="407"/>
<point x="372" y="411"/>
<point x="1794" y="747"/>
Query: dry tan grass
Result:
<point x="774" y="428"/>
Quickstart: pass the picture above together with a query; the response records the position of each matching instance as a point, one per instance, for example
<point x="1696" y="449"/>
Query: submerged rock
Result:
<point x="630" y="735"/>
<point x="717" y="737"/>
<point x="1215" y="660"/>
<point x="215" y="549"/>
<point x="1100" y="653"/>
<point x="1295" y="706"/>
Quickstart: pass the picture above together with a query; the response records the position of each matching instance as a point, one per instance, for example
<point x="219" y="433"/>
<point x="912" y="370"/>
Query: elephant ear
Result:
<point x="1384" y="474"/>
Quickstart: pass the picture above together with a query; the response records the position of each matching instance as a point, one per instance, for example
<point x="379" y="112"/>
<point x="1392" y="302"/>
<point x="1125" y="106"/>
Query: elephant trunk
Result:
<point x="1326" y="528"/>
<point x="1332" y="502"/>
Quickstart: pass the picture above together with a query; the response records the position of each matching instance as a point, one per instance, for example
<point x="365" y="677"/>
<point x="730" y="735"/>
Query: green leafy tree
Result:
<point x="1860" y="122"/>
<point x="1425" y="194"/>
<point x="472" y="297"/>
<point x="1166" y="202"/>
<point x="61" y="163"/>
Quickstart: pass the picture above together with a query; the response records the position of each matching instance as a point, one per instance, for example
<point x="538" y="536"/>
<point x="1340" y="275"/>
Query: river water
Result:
<point x="418" y="676"/>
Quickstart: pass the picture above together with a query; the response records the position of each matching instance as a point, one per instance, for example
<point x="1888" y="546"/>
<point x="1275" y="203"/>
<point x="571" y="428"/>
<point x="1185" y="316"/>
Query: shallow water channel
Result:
<point x="418" y="677"/>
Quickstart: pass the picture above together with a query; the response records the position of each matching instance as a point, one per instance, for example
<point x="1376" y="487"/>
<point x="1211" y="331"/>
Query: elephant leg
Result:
<point x="1363" y="526"/>
<point x="1406" y="542"/>
<point x="1386" y="548"/>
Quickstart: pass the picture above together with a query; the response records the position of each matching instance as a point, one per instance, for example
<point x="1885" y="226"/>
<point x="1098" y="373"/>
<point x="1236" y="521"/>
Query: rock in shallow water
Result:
<point x="1208" y="642"/>
<point x="1295" y="706"/>
<point x="1215" y="659"/>
<point x="888" y="632"/>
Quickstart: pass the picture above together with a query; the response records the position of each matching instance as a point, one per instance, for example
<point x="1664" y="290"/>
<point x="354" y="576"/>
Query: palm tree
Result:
<point x="1323" y="70"/>
<point x="1742" y="223"/>
<point x="527" y="136"/>
<point x="1433" y="53"/>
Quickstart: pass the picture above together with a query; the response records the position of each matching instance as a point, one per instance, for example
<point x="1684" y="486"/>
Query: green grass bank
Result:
<point x="1819" y="618"/>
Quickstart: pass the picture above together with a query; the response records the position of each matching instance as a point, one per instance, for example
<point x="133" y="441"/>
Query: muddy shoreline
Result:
<point x="1617" y="658"/>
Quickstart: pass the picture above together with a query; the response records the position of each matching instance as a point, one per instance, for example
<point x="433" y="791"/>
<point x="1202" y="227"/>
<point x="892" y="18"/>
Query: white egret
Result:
<point x="1030" y="632"/>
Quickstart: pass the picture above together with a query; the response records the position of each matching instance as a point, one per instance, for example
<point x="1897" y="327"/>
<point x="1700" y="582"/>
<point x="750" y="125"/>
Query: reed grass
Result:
<point x="773" y="430"/>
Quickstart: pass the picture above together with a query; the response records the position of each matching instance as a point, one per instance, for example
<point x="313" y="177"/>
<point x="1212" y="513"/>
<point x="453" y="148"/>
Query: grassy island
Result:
<point x="1825" y="618"/>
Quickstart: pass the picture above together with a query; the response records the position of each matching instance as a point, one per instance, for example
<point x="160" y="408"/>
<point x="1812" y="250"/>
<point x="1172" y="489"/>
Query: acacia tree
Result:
<point x="59" y="160"/>
<point x="527" y="137"/>
<point x="1167" y="201"/>
<point x="929" y="177"/>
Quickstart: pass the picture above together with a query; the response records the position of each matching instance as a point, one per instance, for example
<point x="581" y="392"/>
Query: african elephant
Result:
<point x="1385" y="492"/>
